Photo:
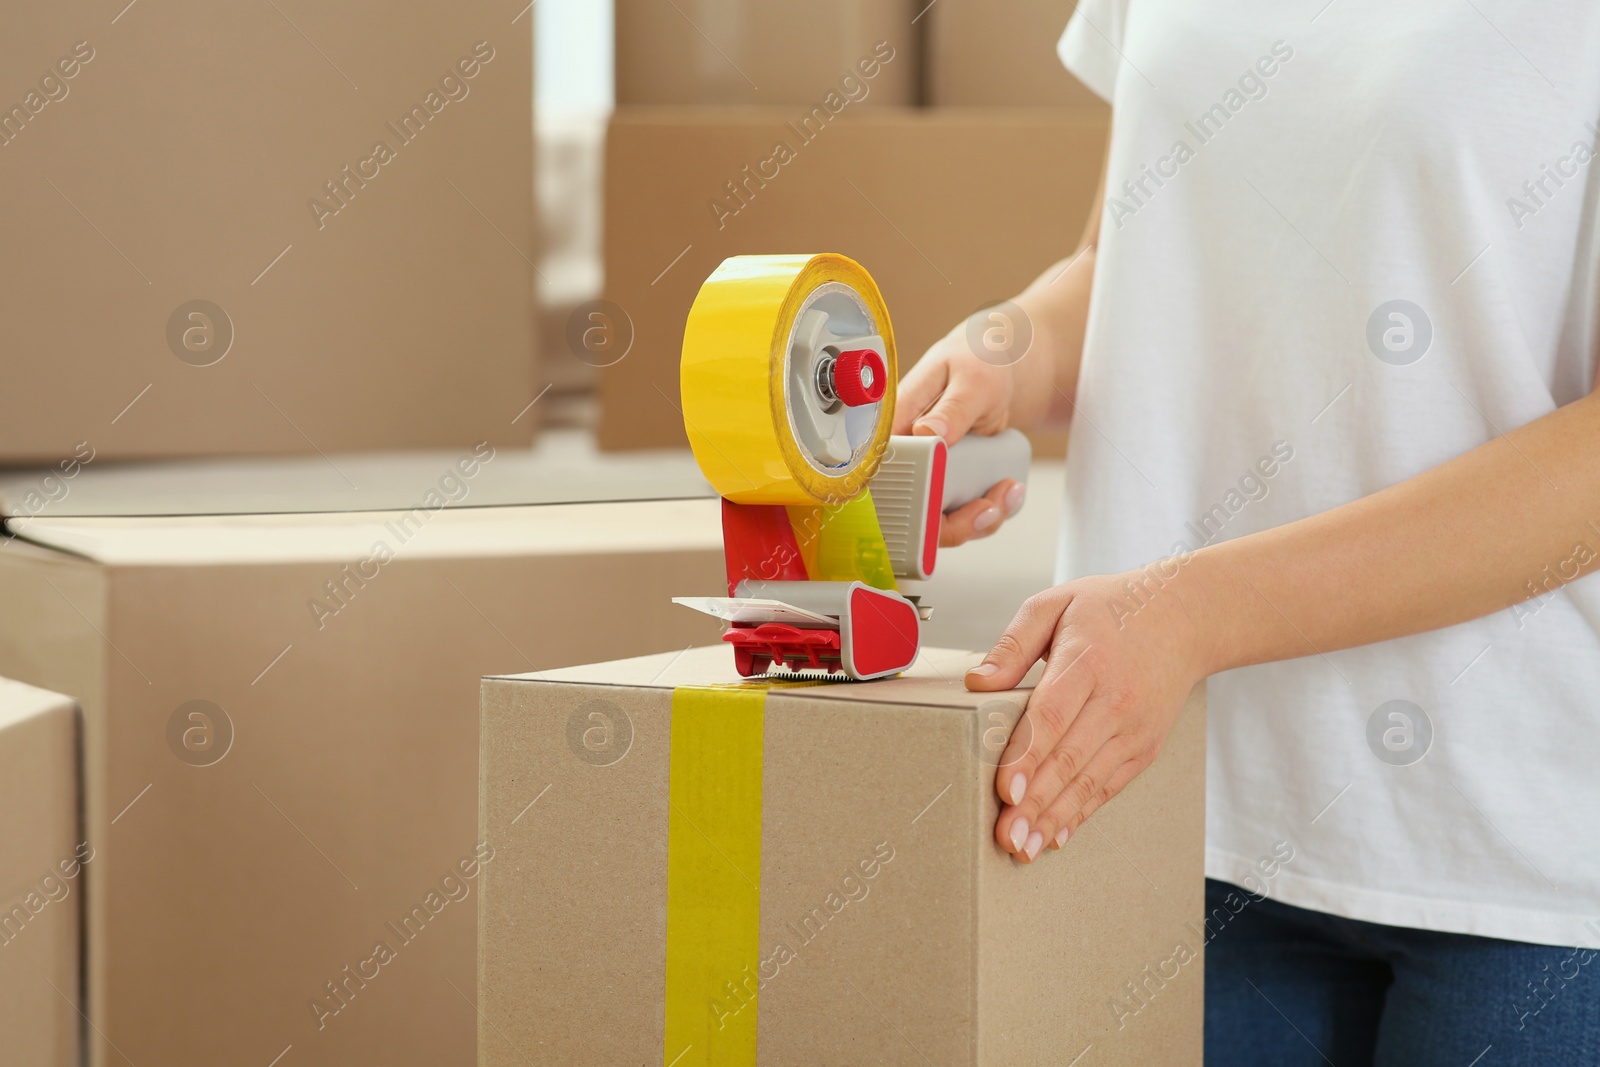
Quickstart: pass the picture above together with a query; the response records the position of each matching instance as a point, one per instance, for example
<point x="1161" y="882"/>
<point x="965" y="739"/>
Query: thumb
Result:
<point x="1024" y="643"/>
<point x="918" y="391"/>
<point x="950" y="417"/>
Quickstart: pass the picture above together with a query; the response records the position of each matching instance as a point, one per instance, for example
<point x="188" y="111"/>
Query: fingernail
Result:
<point x="934" y="425"/>
<point x="1019" y="834"/>
<point x="1035" y="841"/>
<point x="1019" y="787"/>
<point x="983" y="670"/>
<point x="1014" y="498"/>
<point x="1061" y="836"/>
<point x="986" y="518"/>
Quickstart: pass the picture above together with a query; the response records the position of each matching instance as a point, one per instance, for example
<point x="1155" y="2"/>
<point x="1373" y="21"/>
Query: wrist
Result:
<point x="1033" y="374"/>
<point x="1164" y="601"/>
<point x="1224" y="610"/>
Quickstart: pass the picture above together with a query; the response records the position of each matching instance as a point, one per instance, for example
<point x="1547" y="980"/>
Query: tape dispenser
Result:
<point x="828" y="520"/>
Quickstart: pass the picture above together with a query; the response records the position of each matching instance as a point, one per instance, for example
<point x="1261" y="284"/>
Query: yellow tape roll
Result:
<point x="738" y="406"/>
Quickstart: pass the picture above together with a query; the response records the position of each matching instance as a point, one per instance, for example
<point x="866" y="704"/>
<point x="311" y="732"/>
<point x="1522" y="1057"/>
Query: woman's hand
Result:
<point x="1116" y="676"/>
<point x="952" y="392"/>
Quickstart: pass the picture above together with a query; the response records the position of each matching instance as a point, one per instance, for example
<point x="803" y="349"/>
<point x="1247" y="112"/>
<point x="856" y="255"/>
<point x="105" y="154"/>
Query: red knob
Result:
<point x="859" y="377"/>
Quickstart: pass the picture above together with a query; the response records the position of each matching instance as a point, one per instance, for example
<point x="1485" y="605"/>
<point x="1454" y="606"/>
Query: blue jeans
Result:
<point x="1286" y="986"/>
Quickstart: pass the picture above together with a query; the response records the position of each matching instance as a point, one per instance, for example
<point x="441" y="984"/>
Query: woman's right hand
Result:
<point x="950" y="393"/>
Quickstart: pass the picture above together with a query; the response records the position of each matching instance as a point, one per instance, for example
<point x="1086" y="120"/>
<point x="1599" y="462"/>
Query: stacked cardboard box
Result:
<point x="704" y="56"/>
<point x="1000" y="55"/>
<point x="42" y="864"/>
<point x="281" y="744"/>
<point x="765" y="51"/>
<point x="827" y="888"/>
<point x="949" y="209"/>
<point x="265" y="228"/>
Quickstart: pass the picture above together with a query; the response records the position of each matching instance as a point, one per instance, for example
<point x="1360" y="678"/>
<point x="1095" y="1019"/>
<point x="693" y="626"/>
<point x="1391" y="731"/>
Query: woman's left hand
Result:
<point x="1121" y="656"/>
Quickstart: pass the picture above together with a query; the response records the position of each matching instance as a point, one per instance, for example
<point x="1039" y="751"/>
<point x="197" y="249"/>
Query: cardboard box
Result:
<point x="208" y="252"/>
<point x="765" y="51"/>
<point x="281" y="745"/>
<point x="1000" y="55"/>
<point x="949" y="210"/>
<point x="42" y="862"/>
<point x="565" y="468"/>
<point x="881" y="923"/>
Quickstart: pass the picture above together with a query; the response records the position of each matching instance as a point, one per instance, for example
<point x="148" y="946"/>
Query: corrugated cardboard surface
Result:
<point x="948" y="210"/>
<point x="179" y="162"/>
<point x="955" y="955"/>
<point x="1000" y="55"/>
<point x="762" y="51"/>
<point x="41" y="877"/>
<point x="224" y="897"/>
<point x="1131" y="893"/>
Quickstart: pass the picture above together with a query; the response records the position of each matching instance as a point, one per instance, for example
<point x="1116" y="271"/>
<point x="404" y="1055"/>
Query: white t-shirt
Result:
<point x="1344" y="243"/>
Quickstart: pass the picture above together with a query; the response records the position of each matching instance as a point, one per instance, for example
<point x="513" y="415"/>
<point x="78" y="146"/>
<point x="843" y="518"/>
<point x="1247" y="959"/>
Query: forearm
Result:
<point x="1469" y="537"/>
<point x="1057" y="306"/>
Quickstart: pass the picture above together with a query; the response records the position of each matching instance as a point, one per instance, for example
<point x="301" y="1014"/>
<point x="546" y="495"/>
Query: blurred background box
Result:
<point x="949" y="209"/>
<point x="180" y="163"/>
<point x="281" y="735"/>
<point x="762" y="51"/>
<point x="41" y="877"/>
<point x="949" y="952"/>
<point x="984" y="53"/>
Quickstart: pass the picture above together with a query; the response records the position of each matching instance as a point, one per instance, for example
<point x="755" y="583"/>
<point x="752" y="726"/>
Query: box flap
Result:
<point x="556" y="529"/>
<point x="20" y="702"/>
<point x="564" y="468"/>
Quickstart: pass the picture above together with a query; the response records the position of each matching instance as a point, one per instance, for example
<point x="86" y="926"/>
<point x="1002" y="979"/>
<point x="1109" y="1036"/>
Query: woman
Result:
<point x="1328" y="347"/>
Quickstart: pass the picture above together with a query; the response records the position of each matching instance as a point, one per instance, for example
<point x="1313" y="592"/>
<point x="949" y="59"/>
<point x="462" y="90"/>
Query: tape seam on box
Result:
<point x="713" y="875"/>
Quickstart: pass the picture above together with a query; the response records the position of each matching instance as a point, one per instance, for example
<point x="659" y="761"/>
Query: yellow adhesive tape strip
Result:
<point x="844" y="543"/>
<point x="805" y="520"/>
<point x="735" y="407"/>
<point x="714" y="876"/>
